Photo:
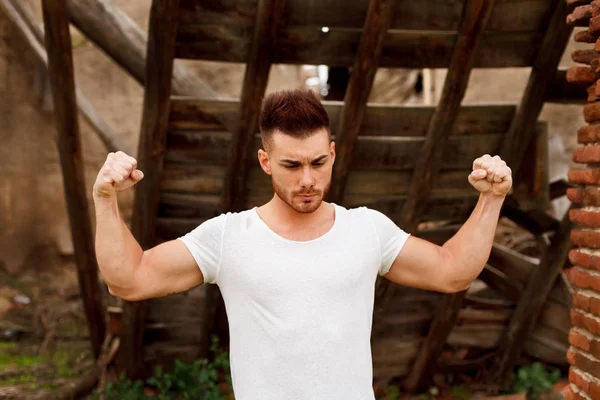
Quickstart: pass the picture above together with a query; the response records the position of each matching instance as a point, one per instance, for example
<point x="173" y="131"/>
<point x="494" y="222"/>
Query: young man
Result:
<point x="297" y="274"/>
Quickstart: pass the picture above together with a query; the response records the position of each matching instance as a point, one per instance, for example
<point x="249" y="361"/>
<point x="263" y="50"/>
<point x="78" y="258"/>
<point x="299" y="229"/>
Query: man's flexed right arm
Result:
<point x="130" y="272"/>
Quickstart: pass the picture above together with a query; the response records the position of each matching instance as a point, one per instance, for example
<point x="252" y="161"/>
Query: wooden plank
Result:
<point x="508" y="15"/>
<point x="476" y="14"/>
<point x="371" y="152"/>
<point x="531" y="302"/>
<point x="441" y="326"/>
<point x="380" y="120"/>
<point x="543" y="71"/>
<point x="152" y="144"/>
<point x="62" y="81"/>
<point x="366" y="61"/>
<point x="372" y="184"/>
<point x="401" y="49"/>
<point x="258" y="65"/>
<point x="516" y="266"/>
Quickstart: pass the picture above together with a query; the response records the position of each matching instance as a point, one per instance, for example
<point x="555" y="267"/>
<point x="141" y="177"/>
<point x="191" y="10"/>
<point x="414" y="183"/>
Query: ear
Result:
<point x="332" y="151"/>
<point x="263" y="159"/>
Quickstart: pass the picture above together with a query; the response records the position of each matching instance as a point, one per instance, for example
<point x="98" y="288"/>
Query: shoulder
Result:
<point x="359" y="213"/>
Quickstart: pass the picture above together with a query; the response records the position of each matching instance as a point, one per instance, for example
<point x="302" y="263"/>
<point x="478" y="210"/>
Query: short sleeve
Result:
<point x="206" y="243"/>
<point x="390" y="237"/>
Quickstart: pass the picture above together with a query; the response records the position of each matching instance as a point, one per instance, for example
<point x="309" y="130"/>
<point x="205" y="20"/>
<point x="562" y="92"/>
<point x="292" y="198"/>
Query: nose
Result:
<point x="307" y="179"/>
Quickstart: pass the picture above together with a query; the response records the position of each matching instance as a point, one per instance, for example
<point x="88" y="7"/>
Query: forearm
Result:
<point x="117" y="251"/>
<point x="469" y="249"/>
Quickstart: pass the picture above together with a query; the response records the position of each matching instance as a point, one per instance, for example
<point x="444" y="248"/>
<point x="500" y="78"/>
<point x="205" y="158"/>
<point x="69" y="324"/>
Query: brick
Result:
<point x="585" y="279"/>
<point x="571" y="357"/>
<point x="579" y="340"/>
<point x="580" y="300"/>
<point x="584" y="37"/>
<point x="584" y="259"/>
<point x="582" y="76"/>
<point x="584" y="363"/>
<point x="586" y="321"/>
<point x="580" y="16"/>
<point x="588" y="133"/>
<point x="585" y="238"/>
<point x="585" y="218"/>
<point x="589" y="153"/>
<point x="579" y="380"/>
<point x="588" y="196"/>
<point x="584" y="176"/>
<point x="591" y="90"/>
<point x="567" y="393"/>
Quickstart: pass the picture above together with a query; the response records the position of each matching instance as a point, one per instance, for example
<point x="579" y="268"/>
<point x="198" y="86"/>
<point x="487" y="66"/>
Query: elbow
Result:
<point x="128" y="293"/>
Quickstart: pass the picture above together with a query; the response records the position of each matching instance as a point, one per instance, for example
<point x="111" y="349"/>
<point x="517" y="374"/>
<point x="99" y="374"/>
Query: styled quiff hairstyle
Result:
<point x="297" y="113"/>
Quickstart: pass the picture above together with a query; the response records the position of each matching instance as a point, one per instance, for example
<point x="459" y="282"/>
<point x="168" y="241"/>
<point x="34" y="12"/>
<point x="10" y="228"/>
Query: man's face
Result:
<point x="300" y="169"/>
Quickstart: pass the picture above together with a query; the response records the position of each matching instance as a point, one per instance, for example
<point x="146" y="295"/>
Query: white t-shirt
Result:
<point x="300" y="313"/>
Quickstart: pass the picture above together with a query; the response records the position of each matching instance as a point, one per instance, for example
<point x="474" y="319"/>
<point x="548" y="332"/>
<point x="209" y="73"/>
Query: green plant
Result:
<point x="197" y="380"/>
<point x="534" y="379"/>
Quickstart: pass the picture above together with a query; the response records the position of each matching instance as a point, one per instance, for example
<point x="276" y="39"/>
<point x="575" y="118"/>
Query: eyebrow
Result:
<point x="295" y="162"/>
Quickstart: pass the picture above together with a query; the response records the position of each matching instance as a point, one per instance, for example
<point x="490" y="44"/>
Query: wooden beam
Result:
<point x="531" y="302"/>
<point x="543" y="72"/>
<point x="105" y="24"/>
<point x="337" y="47"/>
<point x="258" y="65"/>
<point x="476" y="14"/>
<point x="441" y="326"/>
<point x="24" y="20"/>
<point x="366" y="61"/>
<point x="152" y="143"/>
<point x="62" y="81"/>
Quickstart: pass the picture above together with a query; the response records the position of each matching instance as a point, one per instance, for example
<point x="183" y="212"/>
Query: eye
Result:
<point x="318" y="164"/>
<point x="290" y="166"/>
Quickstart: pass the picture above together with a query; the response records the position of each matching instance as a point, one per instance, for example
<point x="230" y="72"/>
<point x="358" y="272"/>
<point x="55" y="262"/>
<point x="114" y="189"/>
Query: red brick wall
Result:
<point x="584" y="337"/>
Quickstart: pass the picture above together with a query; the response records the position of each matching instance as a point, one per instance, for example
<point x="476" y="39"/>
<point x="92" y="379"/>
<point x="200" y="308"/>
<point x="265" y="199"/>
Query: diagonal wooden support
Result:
<point x="264" y="42"/>
<point x="366" y="61"/>
<point x="60" y="66"/>
<point x="522" y="128"/>
<point x="476" y="14"/>
<point x="155" y="118"/>
<point x="532" y="300"/>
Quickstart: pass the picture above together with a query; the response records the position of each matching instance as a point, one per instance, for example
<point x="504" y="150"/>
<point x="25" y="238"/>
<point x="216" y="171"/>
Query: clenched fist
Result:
<point x="491" y="175"/>
<point x="117" y="174"/>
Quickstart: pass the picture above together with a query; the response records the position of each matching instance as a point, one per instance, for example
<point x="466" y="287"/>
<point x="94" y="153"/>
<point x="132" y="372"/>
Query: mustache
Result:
<point x="304" y="192"/>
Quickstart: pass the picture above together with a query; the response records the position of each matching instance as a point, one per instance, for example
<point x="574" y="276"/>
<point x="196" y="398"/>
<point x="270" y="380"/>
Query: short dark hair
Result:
<point x="298" y="113"/>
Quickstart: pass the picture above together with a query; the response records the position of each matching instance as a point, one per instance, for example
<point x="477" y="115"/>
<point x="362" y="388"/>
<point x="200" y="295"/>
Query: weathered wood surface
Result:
<point x="508" y="15"/>
<point x="543" y="71"/>
<point x="105" y="24"/>
<point x="476" y="14"/>
<point x="152" y="144"/>
<point x="370" y="153"/>
<point x="62" y="81"/>
<point x="366" y="62"/>
<point x="531" y="302"/>
<point x="196" y="114"/>
<point x="401" y="49"/>
<point x="258" y="66"/>
<point x="22" y="16"/>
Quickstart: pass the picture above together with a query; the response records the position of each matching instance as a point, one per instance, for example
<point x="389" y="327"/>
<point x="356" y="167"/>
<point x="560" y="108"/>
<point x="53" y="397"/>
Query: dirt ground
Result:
<point x="43" y="332"/>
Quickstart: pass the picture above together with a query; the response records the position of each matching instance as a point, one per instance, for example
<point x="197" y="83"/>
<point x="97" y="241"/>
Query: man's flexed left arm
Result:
<point x="453" y="266"/>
